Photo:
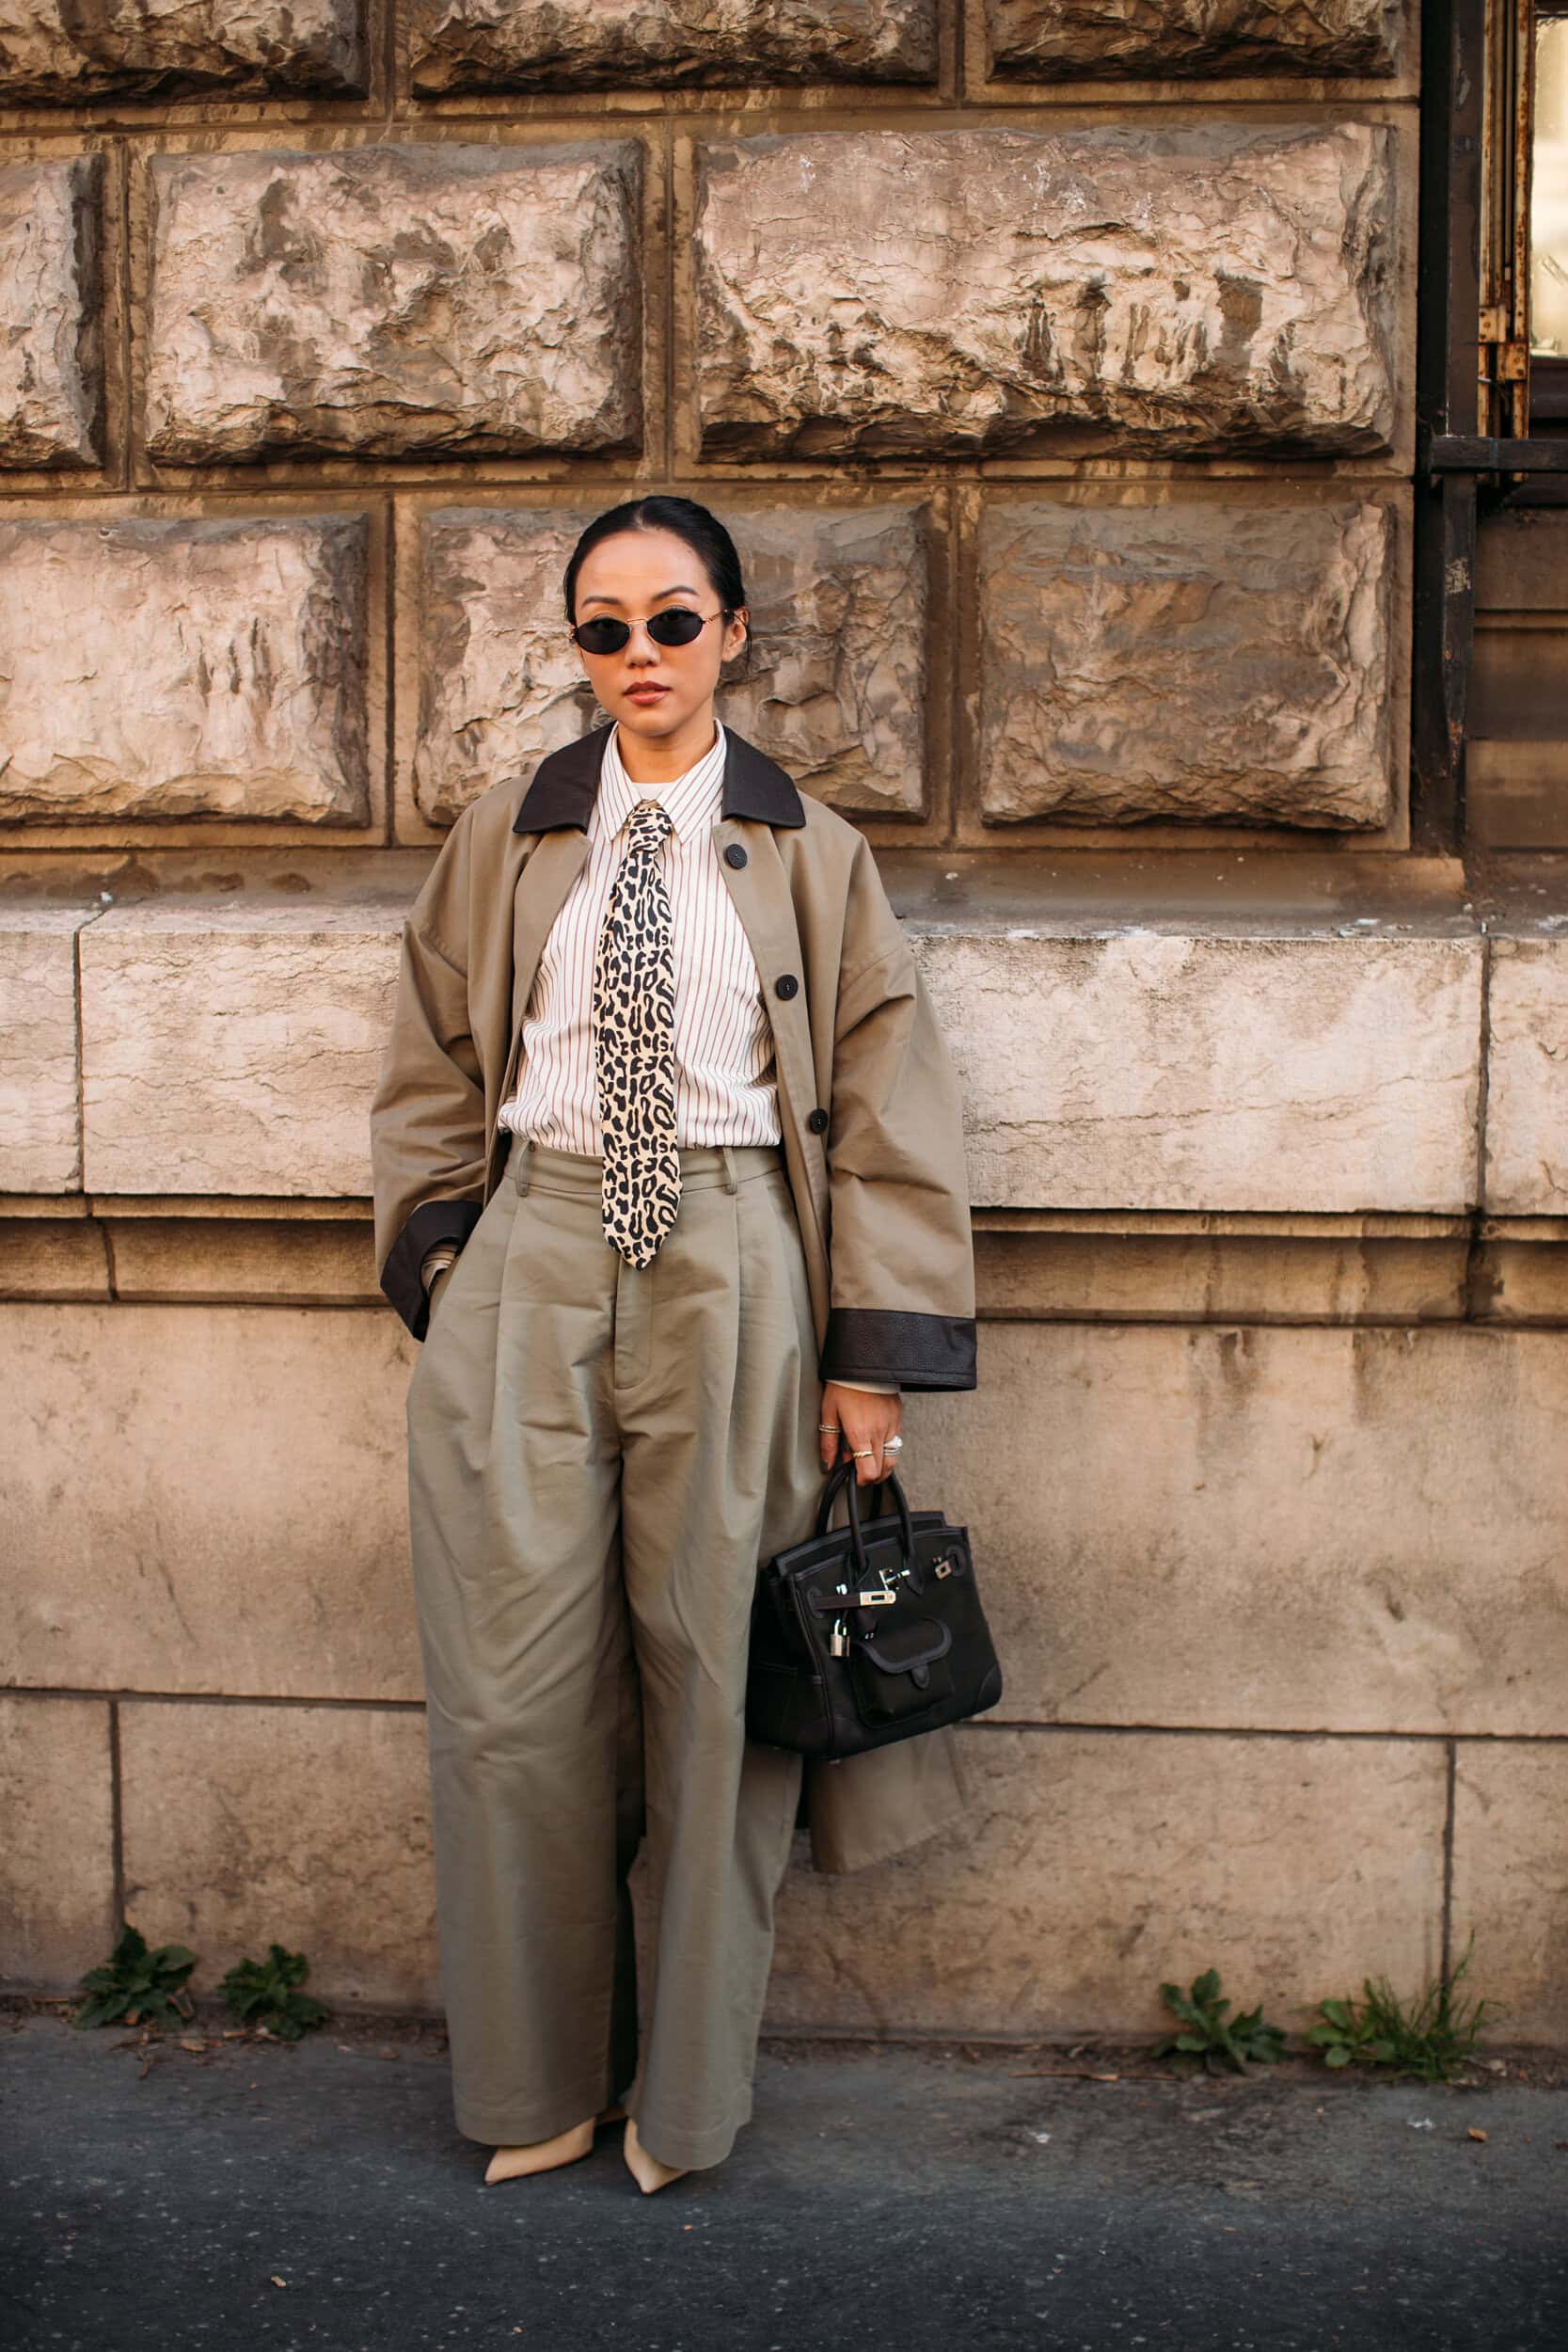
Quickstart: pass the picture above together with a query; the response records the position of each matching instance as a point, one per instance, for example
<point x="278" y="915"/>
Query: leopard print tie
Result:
<point x="634" y="1045"/>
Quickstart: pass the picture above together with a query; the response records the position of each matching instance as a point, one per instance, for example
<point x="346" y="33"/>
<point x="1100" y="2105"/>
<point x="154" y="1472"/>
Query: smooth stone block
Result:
<point x="39" y="1128"/>
<point x="304" y="1825"/>
<point x="594" y="44"/>
<point x="1146" y="1069"/>
<point x="233" y="1047"/>
<point x="1095" y="1865"/>
<point x="1210" y="661"/>
<point x="909" y="294"/>
<point x="395" y="301"/>
<point x="51" y="342"/>
<point x="218" y="670"/>
<point x="244" y="1526"/>
<point x="1527" y="1101"/>
<point x="1315" y="1530"/>
<point x="1511" y="1883"/>
<point x="57" y="1874"/>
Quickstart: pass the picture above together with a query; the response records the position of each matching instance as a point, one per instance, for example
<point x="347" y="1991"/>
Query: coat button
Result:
<point x="787" y="984"/>
<point x="734" y="854"/>
<point x="816" y="1121"/>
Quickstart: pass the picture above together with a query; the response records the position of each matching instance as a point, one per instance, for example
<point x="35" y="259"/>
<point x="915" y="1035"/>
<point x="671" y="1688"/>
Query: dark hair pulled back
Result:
<point x="702" y="531"/>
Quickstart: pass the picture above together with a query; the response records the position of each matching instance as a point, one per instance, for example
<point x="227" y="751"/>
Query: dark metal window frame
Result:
<point x="1464" y="467"/>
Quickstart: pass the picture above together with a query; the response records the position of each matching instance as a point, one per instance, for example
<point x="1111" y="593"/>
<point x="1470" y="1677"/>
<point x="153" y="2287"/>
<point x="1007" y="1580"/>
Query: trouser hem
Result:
<point x="695" y="2150"/>
<point x="520" y="2126"/>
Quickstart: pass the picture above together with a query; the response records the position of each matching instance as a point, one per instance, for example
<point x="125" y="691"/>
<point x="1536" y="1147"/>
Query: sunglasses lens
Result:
<point x="676" y="627"/>
<point x="602" y="635"/>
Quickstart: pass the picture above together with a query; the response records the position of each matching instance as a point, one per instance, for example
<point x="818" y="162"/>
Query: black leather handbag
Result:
<point x="868" y="1632"/>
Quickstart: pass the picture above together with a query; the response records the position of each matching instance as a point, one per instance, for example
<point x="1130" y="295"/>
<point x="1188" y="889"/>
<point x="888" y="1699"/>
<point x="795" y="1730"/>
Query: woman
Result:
<point x="669" y="1165"/>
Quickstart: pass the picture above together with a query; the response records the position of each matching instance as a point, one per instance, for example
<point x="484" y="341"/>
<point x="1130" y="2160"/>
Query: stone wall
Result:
<point x="1051" y="367"/>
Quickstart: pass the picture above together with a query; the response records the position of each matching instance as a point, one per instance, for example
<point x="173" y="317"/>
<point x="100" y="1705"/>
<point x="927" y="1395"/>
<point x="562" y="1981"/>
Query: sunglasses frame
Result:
<point x="724" y="614"/>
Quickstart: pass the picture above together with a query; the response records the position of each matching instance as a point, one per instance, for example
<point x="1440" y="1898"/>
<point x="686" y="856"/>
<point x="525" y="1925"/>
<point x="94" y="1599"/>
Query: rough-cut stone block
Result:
<point x="834" y="686"/>
<point x="1511" y="1881"/>
<point x="1108" y="38"/>
<point x="591" y="44"/>
<point x="1527" y="1097"/>
<point x="500" y="683"/>
<point x="394" y="300"/>
<point x="57" y="52"/>
<point x="57" y="1870"/>
<point x="1318" y="1530"/>
<point x="230" y="1047"/>
<point x="1095" y="1865"/>
<point x="39" y="1141"/>
<point x="980" y="292"/>
<point x="1217" y="662"/>
<point x="1182" y="1070"/>
<point x="51" y="346"/>
<point x="243" y="1527"/>
<point x="306" y="1824"/>
<point x="217" y="669"/>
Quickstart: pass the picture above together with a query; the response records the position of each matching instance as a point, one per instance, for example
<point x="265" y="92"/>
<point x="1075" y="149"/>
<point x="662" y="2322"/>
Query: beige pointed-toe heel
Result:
<point x="548" y="2155"/>
<point x="644" y="2169"/>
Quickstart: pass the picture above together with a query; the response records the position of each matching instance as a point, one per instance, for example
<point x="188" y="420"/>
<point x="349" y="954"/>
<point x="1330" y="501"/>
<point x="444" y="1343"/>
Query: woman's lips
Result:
<point x="645" y="693"/>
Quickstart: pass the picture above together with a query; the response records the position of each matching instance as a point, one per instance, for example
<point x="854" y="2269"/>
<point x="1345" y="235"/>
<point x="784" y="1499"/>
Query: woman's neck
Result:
<point x="659" y="759"/>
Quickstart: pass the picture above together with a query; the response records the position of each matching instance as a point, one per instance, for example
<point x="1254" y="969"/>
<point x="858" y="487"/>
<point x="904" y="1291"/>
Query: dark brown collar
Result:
<point x="563" y="786"/>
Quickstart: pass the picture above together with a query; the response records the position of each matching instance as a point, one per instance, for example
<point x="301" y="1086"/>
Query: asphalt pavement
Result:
<point x="262" y="2198"/>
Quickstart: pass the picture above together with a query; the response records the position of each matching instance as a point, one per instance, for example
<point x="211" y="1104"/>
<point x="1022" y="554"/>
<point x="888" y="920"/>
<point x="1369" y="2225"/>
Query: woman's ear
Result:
<point x="737" y="634"/>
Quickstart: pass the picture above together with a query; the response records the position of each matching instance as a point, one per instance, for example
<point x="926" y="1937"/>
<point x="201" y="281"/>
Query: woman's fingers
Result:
<point x="864" y="1421"/>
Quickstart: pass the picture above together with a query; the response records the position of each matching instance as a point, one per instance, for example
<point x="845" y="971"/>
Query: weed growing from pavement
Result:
<point x="1432" y="2039"/>
<point x="1205" y="2034"/>
<point x="137" y="1986"/>
<point x="266" y="1993"/>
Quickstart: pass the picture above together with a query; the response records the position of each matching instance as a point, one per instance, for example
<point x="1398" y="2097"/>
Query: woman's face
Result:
<point x="653" y="689"/>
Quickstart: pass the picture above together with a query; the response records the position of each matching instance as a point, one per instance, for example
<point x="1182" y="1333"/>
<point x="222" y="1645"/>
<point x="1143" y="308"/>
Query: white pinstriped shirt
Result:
<point x="727" y="1091"/>
<point x="726" y="1088"/>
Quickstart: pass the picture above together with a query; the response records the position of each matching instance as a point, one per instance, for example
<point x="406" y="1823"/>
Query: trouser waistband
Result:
<point x="544" y="1167"/>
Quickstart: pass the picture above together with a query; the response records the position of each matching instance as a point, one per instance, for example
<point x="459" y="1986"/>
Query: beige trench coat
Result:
<point x="868" y="1103"/>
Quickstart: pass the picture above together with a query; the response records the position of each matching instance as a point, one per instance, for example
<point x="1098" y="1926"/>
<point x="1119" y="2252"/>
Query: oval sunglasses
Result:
<point x="677" y="624"/>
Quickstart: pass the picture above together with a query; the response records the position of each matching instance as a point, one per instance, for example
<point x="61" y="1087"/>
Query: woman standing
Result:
<point x="668" y="1163"/>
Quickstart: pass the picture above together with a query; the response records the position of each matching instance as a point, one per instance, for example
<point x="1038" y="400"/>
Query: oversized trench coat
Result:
<point x="868" y="1102"/>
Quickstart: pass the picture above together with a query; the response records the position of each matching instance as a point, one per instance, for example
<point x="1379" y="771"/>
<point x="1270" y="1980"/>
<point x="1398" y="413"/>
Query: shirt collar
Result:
<point x="691" y="799"/>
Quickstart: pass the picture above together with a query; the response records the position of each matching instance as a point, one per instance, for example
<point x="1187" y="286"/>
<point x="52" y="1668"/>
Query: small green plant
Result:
<point x="1432" y="2039"/>
<point x="266" y="1994"/>
<point x="1206" y="2034"/>
<point x="137" y="1986"/>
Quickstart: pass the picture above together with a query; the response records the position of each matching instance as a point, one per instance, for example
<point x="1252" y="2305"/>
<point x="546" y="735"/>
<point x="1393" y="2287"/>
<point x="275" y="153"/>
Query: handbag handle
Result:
<point x="890" y="1478"/>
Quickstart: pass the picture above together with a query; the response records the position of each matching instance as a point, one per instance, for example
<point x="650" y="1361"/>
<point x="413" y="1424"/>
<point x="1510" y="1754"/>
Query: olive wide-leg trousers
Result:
<point x="599" y="1455"/>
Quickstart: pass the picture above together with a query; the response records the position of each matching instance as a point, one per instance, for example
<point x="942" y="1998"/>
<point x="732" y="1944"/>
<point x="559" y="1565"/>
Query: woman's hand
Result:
<point x="863" y="1419"/>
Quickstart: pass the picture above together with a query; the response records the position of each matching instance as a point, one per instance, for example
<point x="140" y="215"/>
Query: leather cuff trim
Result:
<point x="431" y="1222"/>
<point x="882" y="1343"/>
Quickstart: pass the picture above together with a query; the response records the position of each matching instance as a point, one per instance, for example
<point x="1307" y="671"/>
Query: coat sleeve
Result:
<point x="427" y="1117"/>
<point x="901" y="1255"/>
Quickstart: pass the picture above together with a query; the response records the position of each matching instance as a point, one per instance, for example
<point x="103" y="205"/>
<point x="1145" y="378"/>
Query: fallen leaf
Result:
<point x="1475" y="2134"/>
<point x="193" y="2045"/>
<point x="278" y="2282"/>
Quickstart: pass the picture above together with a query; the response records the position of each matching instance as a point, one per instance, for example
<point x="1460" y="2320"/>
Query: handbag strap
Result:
<point x="843" y="1474"/>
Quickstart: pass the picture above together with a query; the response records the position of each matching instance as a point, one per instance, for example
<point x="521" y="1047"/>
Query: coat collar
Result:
<point x="563" y="786"/>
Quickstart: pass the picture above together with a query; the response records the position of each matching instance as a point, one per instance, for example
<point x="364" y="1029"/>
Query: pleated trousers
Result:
<point x="599" y="1457"/>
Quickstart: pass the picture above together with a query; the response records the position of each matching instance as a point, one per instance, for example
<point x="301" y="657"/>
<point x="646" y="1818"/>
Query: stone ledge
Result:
<point x="231" y="1046"/>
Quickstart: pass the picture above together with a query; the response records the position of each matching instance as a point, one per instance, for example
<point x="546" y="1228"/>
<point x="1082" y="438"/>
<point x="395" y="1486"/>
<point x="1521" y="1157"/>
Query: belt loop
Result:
<point x="730" y="1179"/>
<point x="521" y="1151"/>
